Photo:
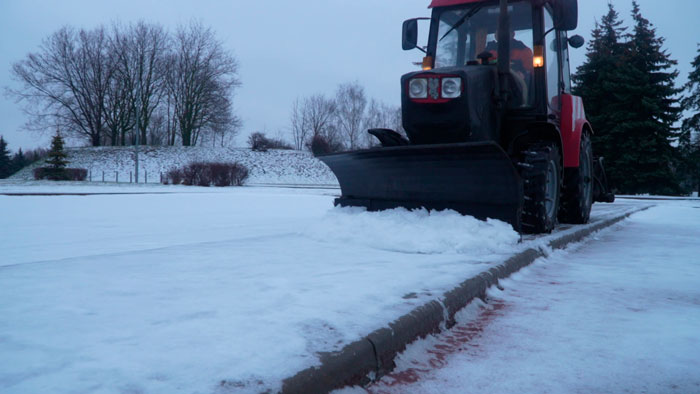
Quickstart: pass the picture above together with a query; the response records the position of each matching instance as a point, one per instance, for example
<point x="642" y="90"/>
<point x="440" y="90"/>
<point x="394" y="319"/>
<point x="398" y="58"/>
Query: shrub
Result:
<point x="320" y="146"/>
<point x="239" y="174"/>
<point x="196" y="174"/>
<point x="228" y="174"/>
<point x="173" y="176"/>
<point x="63" y="174"/>
<point x="261" y="143"/>
<point x="208" y="174"/>
<point x="258" y="142"/>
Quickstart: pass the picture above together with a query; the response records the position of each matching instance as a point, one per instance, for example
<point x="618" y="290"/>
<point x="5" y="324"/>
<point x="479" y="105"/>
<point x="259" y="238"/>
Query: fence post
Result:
<point x="145" y="176"/>
<point x="90" y="175"/>
<point x="116" y="176"/>
<point x="130" y="177"/>
<point x="103" y="176"/>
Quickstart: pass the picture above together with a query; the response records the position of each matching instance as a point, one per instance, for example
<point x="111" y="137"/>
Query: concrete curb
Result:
<point x="368" y="359"/>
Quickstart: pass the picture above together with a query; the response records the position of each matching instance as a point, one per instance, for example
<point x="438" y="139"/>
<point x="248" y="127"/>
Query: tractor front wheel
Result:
<point x="541" y="173"/>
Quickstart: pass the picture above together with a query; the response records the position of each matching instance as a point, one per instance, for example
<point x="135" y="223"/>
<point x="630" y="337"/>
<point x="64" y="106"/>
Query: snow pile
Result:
<point x="417" y="231"/>
<point x="274" y="166"/>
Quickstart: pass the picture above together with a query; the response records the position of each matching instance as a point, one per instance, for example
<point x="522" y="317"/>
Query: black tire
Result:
<point x="577" y="193"/>
<point x="541" y="173"/>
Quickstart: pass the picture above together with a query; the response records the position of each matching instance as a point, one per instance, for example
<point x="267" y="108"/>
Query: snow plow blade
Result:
<point x="477" y="179"/>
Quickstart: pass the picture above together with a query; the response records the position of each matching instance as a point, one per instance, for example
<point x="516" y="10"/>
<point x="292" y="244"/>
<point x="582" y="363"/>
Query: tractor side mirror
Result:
<point x="576" y="41"/>
<point x="565" y="15"/>
<point x="410" y="34"/>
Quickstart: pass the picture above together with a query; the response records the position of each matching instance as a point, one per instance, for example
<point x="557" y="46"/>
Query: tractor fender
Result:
<point x="573" y="124"/>
<point x="536" y="132"/>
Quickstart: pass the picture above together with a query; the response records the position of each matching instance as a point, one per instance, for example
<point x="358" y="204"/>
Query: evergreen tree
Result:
<point x="596" y="81"/>
<point x="650" y="97"/>
<point x="630" y="101"/>
<point x="57" y="158"/>
<point x="689" y="142"/>
<point x="5" y="164"/>
<point x="19" y="161"/>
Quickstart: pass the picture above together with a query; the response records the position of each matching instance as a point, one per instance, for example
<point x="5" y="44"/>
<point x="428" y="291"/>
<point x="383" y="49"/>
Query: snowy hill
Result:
<point x="271" y="167"/>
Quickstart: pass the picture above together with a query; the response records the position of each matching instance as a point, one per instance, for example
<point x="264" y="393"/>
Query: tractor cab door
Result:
<point x="552" y="64"/>
<point x="566" y="109"/>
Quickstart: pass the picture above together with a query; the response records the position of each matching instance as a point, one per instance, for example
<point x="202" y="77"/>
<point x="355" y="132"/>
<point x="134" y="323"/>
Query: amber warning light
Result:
<point x="538" y="59"/>
<point x="428" y="63"/>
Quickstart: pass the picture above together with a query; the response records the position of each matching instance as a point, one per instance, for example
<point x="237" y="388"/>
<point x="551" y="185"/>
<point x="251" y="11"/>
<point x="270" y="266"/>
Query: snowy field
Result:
<point x="617" y="314"/>
<point x="213" y="290"/>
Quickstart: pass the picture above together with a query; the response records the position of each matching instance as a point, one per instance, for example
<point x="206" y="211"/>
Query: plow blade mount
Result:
<point x="476" y="179"/>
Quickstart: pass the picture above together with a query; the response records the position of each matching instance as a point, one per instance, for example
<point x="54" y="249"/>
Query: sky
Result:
<point x="291" y="49"/>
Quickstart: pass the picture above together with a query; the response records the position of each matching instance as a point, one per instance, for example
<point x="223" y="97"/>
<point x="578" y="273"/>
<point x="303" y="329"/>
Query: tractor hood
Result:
<point x="471" y="117"/>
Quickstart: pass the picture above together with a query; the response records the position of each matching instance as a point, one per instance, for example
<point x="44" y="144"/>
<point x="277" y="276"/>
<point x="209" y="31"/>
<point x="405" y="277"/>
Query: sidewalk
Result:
<point x="620" y="313"/>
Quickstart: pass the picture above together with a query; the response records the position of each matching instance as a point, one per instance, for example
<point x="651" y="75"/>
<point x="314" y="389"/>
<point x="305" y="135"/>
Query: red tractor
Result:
<point x="493" y="129"/>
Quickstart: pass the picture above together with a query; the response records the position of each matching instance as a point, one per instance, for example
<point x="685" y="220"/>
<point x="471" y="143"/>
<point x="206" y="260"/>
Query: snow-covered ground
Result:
<point x="218" y="290"/>
<point x="33" y="187"/>
<point x="117" y="164"/>
<point x="618" y="314"/>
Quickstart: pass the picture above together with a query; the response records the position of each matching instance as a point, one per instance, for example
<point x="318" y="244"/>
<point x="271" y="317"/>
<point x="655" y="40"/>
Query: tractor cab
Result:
<point x="493" y="129"/>
<point x="465" y="34"/>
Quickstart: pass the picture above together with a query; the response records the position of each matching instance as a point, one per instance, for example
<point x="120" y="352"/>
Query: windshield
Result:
<point x="465" y="32"/>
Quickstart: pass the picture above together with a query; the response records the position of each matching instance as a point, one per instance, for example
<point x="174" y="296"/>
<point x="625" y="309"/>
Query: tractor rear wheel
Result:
<point x="577" y="196"/>
<point x="541" y="173"/>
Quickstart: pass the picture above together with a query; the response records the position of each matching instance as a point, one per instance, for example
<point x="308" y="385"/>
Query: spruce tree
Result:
<point x="689" y="142"/>
<point x="650" y="95"/>
<point x="628" y="88"/>
<point x="5" y="164"/>
<point x="596" y="81"/>
<point x="19" y="161"/>
<point x="57" y="158"/>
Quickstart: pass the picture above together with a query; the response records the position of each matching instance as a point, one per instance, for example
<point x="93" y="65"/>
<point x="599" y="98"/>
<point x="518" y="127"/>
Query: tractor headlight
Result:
<point x="418" y="88"/>
<point x="451" y="87"/>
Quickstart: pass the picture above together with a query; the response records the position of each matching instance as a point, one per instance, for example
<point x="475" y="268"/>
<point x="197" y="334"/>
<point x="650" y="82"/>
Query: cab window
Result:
<point x="552" y="61"/>
<point x="464" y="33"/>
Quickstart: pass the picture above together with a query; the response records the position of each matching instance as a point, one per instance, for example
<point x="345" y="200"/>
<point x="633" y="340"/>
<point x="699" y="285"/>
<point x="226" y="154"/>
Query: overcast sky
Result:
<point x="288" y="49"/>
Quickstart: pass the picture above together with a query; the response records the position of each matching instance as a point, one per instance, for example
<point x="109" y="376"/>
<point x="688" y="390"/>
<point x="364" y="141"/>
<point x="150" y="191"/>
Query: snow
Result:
<point x="179" y="292"/>
<point x="618" y="314"/>
<point x="117" y="163"/>
<point x="34" y="187"/>
<point x="212" y="290"/>
<point x="420" y="231"/>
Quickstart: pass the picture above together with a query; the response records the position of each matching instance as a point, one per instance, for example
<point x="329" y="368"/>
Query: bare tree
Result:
<point x="223" y="124"/>
<point x="66" y="83"/>
<point x="141" y="51"/>
<point x="318" y="113"/>
<point x="300" y="130"/>
<point x="201" y="80"/>
<point x="158" y="129"/>
<point x="351" y="103"/>
<point x="168" y="112"/>
<point x="381" y="116"/>
<point x="119" y="102"/>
